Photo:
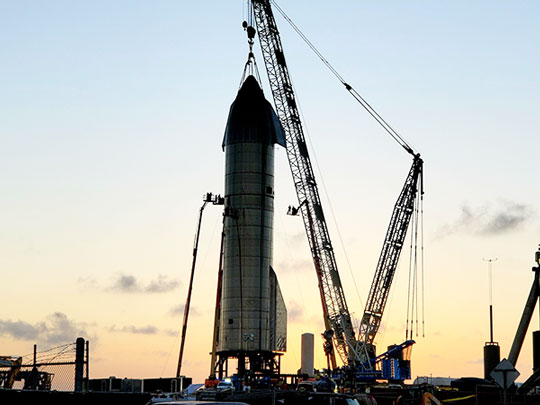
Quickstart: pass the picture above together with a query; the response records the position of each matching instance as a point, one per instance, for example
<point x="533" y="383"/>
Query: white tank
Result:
<point x="308" y="344"/>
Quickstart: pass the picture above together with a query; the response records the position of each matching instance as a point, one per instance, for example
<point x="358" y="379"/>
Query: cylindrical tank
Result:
<point x="245" y="322"/>
<point x="536" y="349"/>
<point x="308" y="344"/>
<point x="492" y="357"/>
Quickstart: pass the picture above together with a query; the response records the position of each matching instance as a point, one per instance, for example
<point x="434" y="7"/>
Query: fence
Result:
<point x="61" y="368"/>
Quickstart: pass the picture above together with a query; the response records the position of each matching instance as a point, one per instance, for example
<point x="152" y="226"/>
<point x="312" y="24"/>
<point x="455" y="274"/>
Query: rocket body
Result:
<point x="253" y="317"/>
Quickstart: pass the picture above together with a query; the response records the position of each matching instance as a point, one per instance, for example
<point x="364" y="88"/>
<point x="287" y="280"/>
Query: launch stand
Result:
<point x="249" y="363"/>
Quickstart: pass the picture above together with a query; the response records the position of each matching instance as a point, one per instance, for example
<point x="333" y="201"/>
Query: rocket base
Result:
<point x="249" y="363"/>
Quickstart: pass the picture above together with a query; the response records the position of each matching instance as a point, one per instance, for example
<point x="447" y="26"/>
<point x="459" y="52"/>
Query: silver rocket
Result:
<point x="253" y="314"/>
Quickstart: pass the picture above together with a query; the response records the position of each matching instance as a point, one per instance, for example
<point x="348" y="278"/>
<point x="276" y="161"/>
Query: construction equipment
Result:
<point x="355" y="353"/>
<point x="335" y="311"/>
<point x="8" y="378"/>
<point x="388" y="260"/>
<point x="214" y="200"/>
<point x="33" y="378"/>
<point x="534" y="295"/>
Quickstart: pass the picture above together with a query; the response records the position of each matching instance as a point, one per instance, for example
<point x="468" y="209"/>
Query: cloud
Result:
<point x="56" y="329"/>
<point x="144" y="330"/>
<point x="19" y="330"/>
<point x="487" y="220"/>
<point x="294" y="312"/>
<point x="162" y="284"/>
<point x="159" y="353"/>
<point x="87" y="283"/>
<point x="171" y="332"/>
<point x="509" y="219"/>
<point x="179" y="310"/>
<point x="298" y="238"/>
<point x="60" y="329"/>
<point x="297" y="266"/>
<point x="128" y="283"/>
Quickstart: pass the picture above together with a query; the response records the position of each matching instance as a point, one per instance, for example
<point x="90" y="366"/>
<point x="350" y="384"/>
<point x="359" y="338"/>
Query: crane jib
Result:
<point x="388" y="260"/>
<point x="336" y="313"/>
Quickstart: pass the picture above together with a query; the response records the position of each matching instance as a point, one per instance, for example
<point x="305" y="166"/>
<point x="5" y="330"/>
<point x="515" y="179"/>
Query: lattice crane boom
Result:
<point x="388" y="260"/>
<point x="336" y="313"/>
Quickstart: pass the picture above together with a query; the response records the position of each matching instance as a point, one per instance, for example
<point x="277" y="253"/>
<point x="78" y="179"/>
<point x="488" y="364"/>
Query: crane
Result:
<point x="388" y="260"/>
<point x="403" y="212"/>
<point x="8" y="377"/>
<point x="337" y="318"/>
<point x="355" y="353"/>
<point x="215" y="200"/>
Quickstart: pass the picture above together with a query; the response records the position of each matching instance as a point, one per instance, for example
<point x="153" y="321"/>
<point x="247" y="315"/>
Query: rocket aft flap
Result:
<point x="253" y="315"/>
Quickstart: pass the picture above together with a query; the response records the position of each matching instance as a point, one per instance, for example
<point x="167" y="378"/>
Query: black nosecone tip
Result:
<point x="252" y="118"/>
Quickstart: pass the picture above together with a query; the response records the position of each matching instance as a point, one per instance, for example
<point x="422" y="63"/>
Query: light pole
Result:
<point x="490" y="281"/>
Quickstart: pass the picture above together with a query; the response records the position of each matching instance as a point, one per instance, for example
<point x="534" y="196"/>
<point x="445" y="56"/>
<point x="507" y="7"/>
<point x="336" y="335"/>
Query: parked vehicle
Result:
<point x="225" y="386"/>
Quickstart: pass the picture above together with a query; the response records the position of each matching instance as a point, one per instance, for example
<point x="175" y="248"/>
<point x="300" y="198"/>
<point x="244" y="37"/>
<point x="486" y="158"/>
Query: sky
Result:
<point x="111" y="121"/>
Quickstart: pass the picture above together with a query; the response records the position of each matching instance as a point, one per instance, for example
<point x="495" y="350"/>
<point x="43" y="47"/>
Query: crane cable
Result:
<point x="419" y="209"/>
<point x="416" y="289"/>
<point x="393" y="133"/>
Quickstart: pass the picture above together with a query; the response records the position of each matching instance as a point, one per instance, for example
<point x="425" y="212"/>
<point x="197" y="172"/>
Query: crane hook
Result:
<point x="251" y="66"/>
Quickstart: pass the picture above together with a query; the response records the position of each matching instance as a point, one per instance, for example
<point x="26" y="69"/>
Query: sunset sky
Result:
<point x="111" y="121"/>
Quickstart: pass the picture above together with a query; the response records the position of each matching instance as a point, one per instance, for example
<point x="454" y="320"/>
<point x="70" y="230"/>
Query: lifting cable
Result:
<point x="416" y="258"/>
<point x="393" y="133"/>
<point x="422" y="257"/>
<point x="415" y="321"/>
<point x="418" y="218"/>
<point x="409" y="285"/>
<point x="320" y="174"/>
<point x="250" y="68"/>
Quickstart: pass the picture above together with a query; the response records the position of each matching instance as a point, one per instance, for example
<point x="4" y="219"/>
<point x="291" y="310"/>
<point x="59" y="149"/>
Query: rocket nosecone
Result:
<point x="253" y="316"/>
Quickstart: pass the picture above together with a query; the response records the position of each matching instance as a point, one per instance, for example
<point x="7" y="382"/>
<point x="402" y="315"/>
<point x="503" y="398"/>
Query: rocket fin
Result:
<point x="278" y="316"/>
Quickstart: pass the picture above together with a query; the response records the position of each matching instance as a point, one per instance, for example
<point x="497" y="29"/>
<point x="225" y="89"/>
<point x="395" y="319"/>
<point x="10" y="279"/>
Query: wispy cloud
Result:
<point x="489" y="220"/>
<point x="128" y="283"/>
<point x="297" y="266"/>
<point x="171" y="332"/>
<point x="179" y="310"/>
<point x="162" y="284"/>
<point x="507" y="219"/>
<point x="138" y="330"/>
<point x="55" y="329"/>
<point x="87" y="283"/>
<point x="294" y="312"/>
<point x="142" y="330"/>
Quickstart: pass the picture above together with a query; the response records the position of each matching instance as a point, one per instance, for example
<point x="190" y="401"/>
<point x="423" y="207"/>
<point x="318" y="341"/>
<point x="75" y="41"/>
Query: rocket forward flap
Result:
<point x="278" y="316"/>
<point x="252" y="118"/>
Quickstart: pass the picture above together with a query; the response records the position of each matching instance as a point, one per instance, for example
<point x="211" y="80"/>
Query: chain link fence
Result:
<point x="60" y="368"/>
